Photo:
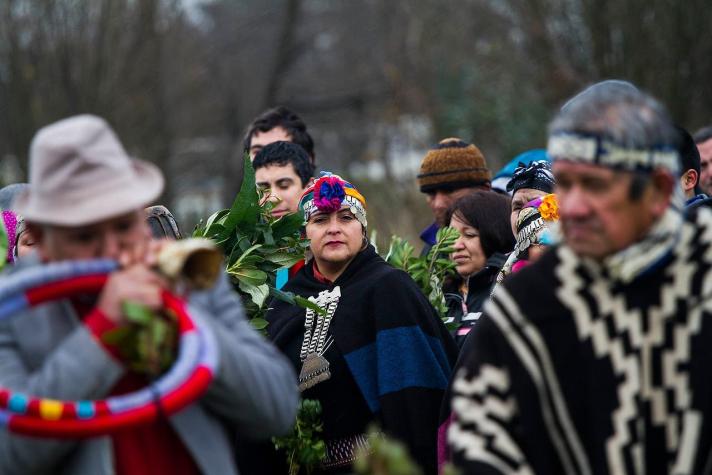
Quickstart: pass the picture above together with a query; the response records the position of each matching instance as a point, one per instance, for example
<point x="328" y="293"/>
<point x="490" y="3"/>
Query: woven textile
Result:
<point x="573" y="371"/>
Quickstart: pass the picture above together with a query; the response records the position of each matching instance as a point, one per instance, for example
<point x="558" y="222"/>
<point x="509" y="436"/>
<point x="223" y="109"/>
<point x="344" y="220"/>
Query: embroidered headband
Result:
<point x="331" y="193"/>
<point x="599" y="151"/>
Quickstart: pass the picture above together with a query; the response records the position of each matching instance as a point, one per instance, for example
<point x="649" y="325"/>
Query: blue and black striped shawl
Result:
<point x="397" y="349"/>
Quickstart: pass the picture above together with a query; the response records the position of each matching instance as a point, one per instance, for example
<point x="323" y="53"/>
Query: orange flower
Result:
<point x="549" y="208"/>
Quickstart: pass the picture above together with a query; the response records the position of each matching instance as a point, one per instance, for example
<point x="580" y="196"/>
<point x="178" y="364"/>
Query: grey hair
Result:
<point x="619" y="112"/>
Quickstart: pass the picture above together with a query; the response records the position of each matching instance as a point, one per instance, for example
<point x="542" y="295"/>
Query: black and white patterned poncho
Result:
<point x="574" y="371"/>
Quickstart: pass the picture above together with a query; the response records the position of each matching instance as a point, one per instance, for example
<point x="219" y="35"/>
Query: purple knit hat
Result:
<point x="10" y="221"/>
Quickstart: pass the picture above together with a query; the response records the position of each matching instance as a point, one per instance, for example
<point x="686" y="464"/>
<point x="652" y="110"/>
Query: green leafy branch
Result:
<point x="304" y="446"/>
<point x="428" y="271"/>
<point x="149" y="342"/>
<point x="388" y="456"/>
<point x="256" y="246"/>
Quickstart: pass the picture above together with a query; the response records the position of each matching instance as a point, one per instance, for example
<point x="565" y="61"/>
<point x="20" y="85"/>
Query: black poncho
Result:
<point x="391" y="356"/>
<point x="573" y="371"/>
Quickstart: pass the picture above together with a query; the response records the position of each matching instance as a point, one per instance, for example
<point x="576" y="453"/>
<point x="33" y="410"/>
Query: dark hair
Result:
<point x="285" y="153"/>
<point x="281" y="117"/>
<point x="703" y="135"/>
<point x="489" y="213"/>
<point x="689" y="155"/>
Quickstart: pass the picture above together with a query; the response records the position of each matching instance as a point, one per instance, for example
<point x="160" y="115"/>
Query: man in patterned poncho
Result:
<point x="596" y="359"/>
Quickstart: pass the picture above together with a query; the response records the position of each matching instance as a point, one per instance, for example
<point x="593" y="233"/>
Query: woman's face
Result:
<point x="519" y="200"/>
<point x="335" y="238"/>
<point x="468" y="255"/>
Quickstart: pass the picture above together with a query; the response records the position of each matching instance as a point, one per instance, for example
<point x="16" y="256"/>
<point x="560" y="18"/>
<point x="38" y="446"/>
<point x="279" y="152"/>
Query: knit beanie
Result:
<point x="453" y="164"/>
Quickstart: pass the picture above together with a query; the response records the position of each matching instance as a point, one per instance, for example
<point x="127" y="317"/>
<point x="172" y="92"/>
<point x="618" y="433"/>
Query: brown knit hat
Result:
<point x="453" y="164"/>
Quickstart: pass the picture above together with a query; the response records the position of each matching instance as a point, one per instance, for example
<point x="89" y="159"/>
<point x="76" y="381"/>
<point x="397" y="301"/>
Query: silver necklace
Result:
<point x="315" y="367"/>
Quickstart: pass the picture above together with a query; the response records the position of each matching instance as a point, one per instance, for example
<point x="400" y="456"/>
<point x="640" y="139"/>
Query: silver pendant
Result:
<point x="315" y="370"/>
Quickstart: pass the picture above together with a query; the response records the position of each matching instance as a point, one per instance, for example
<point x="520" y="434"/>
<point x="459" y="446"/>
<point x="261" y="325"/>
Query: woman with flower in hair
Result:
<point x="534" y="233"/>
<point x="378" y="352"/>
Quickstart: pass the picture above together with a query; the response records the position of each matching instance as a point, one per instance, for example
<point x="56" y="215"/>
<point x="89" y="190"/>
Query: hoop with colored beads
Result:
<point x="185" y="381"/>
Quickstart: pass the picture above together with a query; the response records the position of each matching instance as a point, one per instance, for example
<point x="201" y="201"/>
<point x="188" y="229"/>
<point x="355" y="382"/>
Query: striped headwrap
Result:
<point x="331" y="193"/>
<point x="594" y="150"/>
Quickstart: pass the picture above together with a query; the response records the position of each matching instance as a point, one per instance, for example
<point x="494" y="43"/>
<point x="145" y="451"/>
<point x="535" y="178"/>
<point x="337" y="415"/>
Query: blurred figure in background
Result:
<point x="19" y="240"/>
<point x="528" y="182"/>
<point x="505" y="174"/>
<point x="449" y="171"/>
<point x="274" y="125"/>
<point x="690" y="168"/>
<point x="162" y="223"/>
<point x="534" y="234"/>
<point x="703" y="140"/>
<point x="482" y="219"/>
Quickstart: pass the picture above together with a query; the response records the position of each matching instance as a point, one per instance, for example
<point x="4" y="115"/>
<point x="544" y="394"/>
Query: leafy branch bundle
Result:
<point x="385" y="456"/>
<point x="428" y="271"/>
<point x="256" y="245"/>
<point x="304" y="446"/>
<point x="149" y="342"/>
<point x="389" y="456"/>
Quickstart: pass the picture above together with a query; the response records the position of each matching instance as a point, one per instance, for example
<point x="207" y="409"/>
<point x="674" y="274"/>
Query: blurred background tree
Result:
<point x="377" y="81"/>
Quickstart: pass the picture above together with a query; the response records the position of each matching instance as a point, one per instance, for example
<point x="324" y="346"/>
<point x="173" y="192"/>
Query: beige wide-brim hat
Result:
<point x="80" y="174"/>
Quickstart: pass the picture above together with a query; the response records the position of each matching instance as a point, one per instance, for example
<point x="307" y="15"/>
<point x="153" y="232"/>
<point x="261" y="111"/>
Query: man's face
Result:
<point x="597" y="216"/>
<point x="441" y="200"/>
<point x="519" y="200"/>
<point x="260" y="139"/>
<point x="109" y="239"/>
<point x="705" y="149"/>
<point x="285" y="187"/>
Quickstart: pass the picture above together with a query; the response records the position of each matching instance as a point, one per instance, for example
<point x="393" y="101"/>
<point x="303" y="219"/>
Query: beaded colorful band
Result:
<point x="599" y="151"/>
<point x="331" y="193"/>
<point x="183" y="383"/>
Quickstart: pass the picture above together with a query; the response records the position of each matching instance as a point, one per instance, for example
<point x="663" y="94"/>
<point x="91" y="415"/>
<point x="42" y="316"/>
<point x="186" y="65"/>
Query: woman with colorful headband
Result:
<point x="379" y="353"/>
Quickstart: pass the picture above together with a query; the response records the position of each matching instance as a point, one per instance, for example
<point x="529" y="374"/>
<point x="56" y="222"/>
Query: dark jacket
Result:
<point x="391" y="354"/>
<point x="429" y="238"/>
<point x="479" y="289"/>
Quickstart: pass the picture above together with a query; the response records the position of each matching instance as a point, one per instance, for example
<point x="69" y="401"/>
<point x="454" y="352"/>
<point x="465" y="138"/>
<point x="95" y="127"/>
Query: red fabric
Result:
<point x="296" y="268"/>
<point x="319" y="276"/>
<point x="152" y="449"/>
<point x="55" y="290"/>
<point x="99" y="324"/>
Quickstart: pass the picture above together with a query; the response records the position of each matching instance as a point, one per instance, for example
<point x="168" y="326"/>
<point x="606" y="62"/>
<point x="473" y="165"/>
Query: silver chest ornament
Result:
<point x="315" y="367"/>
